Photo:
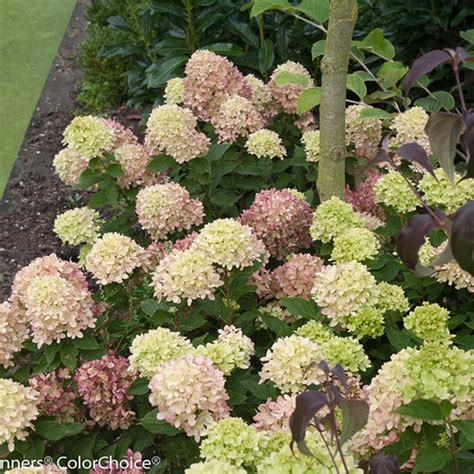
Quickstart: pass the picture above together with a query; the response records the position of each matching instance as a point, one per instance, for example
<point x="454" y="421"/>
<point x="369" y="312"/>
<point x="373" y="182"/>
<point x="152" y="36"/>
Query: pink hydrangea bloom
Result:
<point x="158" y="250"/>
<point x="209" y="79"/>
<point x="166" y="208"/>
<point x="280" y="220"/>
<point x="56" y="395"/>
<point x="190" y="394"/>
<point x="275" y="415"/>
<point x="130" y="464"/>
<point x="133" y="158"/>
<point x="263" y="280"/>
<point x="363" y="199"/>
<point x="103" y="385"/>
<point x="13" y="331"/>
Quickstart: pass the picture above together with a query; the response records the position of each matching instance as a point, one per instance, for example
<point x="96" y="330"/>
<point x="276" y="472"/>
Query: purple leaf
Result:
<point x="339" y="373"/>
<point x="444" y="130"/>
<point x="462" y="237"/>
<point x="424" y="65"/>
<point x="468" y="141"/>
<point x="412" y="237"/>
<point x="416" y="153"/>
<point x="307" y="405"/>
<point x="355" y="414"/>
<point x="382" y="463"/>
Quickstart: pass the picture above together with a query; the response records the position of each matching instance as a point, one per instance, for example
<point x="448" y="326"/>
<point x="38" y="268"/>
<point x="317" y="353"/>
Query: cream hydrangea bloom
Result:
<point x="78" y="226"/>
<point x="174" y="91"/>
<point x="229" y="244"/>
<point x="364" y="134"/>
<point x="410" y="127"/>
<point x="311" y="141"/>
<point x="356" y="244"/>
<point x="185" y="275"/>
<point x="113" y="258"/>
<point x="69" y="165"/>
<point x="287" y="363"/>
<point x="214" y="466"/>
<point x="17" y="411"/>
<point x="13" y="331"/>
<point x="154" y="347"/>
<point x="261" y="97"/>
<point x="265" y="144"/>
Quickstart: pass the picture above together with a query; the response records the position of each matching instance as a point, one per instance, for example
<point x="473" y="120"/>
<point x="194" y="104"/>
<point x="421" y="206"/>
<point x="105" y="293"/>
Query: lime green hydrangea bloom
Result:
<point x="429" y="322"/>
<point x="332" y="218"/>
<point x="215" y="466"/>
<point x="441" y="193"/>
<point x="78" y="226"/>
<point x="392" y="298"/>
<point x="355" y="244"/>
<point x="368" y="321"/>
<point x="393" y="191"/>
<point x="265" y="144"/>
<point x="311" y="141"/>
<point x="316" y="331"/>
<point x="233" y="441"/>
<point x="346" y="351"/>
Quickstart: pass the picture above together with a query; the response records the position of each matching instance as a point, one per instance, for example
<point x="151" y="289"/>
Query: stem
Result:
<point x="228" y="299"/>
<point x="459" y="87"/>
<point x="260" y="29"/>
<point x="191" y="31"/>
<point x="320" y="431"/>
<point x="338" y="445"/>
<point x="453" y="450"/>
<point x="145" y="40"/>
<point x="334" y="66"/>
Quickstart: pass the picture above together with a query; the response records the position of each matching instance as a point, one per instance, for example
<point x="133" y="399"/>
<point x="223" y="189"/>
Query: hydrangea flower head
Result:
<point x="280" y="220"/>
<point x="265" y="144"/>
<point x="364" y="134"/>
<point x="332" y="218"/>
<point x="78" y="226"/>
<point x="17" y="411"/>
<point x="356" y="244"/>
<point x="429" y="322"/>
<point x="287" y="363"/>
<point x="133" y="159"/>
<point x="274" y="415"/>
<point x="236" y="117"/>
<point x="174" y="91"/>
<point x="232" y="440"/>
<point x="229" y="244"/>
<point x="13" y="331"/>
<point x="185" y="275"/>
<point x="410" y="127"/>
<point x="393" y="191"/>
<point x="103" y="385"/>
<point x="316" y="331"/>
<point x="209" y="79"/>
<point x="214" y="466"/>
<point x="113" y="258"/>
<point x="166" y="208"/>
<point x="363" y="199"/>
<point x="275" y="309"/>
<point x="392" y="298"/>
<point x="171" y="129"/>
<point x="232" y="349"/>
<point x="69" y="165"/>
<point x="189" y="393"/>
<point x="312" y="145"/>
<point x="133" y="465"/>
<point x="346" y="351"/>
<point x="154" y="347"/>
<point x="261" y="97"/>
<point x="367" y="321"/>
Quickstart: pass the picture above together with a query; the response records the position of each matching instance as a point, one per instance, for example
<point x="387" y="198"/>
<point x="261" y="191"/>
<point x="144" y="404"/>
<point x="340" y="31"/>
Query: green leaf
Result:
<point x="139" y="387"/>
<point x="69" y="354"/>
<point x="357" y="85"/>
<point x="466" y="427"/>
<point x="308" y="99"/>
<point x="266" y="56"/>
<point x="425" y="410"/>
<point x="391" y="72"/>
<point x="225" y="49"/>
<point x="316" y="9"/>
<point x="437" y="101"/>
<point x="261" y="6"/>
<point x="468" y="35"/>
<point x="430" y="458"/>
<point x="278" y="327"/>
<point x="153" y="425"/>
<point x="375" y="43"/>
<point x="301" y="307"/>
<point x="355" y="414"/>
<point x="399" y="339"/>
<point x="114" y="170"/>
<point x="318" y="49"/>
<point x="160" y="163"/>
<point x="216" y="151"/>
<point x="86" y="343"/>
<point x="260" y="391"/>
<point x="150" y="306"/>
<point x="225" y="199"/>
<point x="372" y="112"/>
<point x="54" y="431"/>
<point x="284" y="77"/>
<point x="158" y="74"/>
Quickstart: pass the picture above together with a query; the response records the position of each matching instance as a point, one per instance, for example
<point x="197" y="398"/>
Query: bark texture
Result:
<point x="334" y="65"/>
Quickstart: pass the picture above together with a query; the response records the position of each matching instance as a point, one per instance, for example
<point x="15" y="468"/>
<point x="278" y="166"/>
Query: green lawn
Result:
<point x="30" y="33"/>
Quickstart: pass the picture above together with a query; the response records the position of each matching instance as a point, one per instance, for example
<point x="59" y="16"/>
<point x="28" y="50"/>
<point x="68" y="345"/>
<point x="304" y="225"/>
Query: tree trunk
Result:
<point x="334" y="65"/>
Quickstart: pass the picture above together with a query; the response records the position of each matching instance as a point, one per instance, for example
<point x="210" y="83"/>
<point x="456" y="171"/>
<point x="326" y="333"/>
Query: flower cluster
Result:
<point x="113" y="258"/>
<point x="346" y="351"/>
<point x="363" y="199"/>
<point x="229" y="244"/>
<point x="236" y="117"/>
<point x="189" y="393"/>
<point x="103" y="386"/>
<point x="232" y="440"/>
<point x="315" y="331"/>
<point x="17" y="411"/>
<point x="280" y="220"/>
<point x="364" y="134"/>
<point x="174" y="91"/>
<point x="367" y="321"/>
<point x="13" y="331"/>
<point x="185" y="275"/>
<point x="166" y="208"/>
<point x="56" y="397"/>
<point x="215" y="466"/>
<point x="392" y="190"/>
<point x="438" y="191"/>
<point x="133" y="159"/>
<point x="154" y="347"/>
<point x="276" y="310"/>
<point x="410" y="127"/>
<point x="429" y="322"/>
<point x="275" y="415"/>
<point x="133" y="462"/>
<point x="392" y="298"/>
<point x="332" y="218"/>
<point x="355" y="245"/>
<point x="78" y="226"/>
<point x="209" y="80"/>
<point x="69" y="165"/>
<point x="171" y="129"/>
<point x="232" y="349"/>
<point x="265" y="144"/>
<point x="311" y="141"/>
<point x="261" y="97"/>
<point x="287" y="363"/>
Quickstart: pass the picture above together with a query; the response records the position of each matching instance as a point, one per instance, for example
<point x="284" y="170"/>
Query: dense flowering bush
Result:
<point x="213" y="288"/>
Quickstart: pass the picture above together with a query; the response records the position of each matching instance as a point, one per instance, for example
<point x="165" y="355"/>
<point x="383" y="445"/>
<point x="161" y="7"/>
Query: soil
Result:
<point x="34" y="195"/>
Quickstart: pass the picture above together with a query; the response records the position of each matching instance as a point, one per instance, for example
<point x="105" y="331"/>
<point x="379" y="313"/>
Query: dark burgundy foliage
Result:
<point x="415" y="153"/>
<point x="462" y="237"/>
<point x="383" y="464"/>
